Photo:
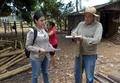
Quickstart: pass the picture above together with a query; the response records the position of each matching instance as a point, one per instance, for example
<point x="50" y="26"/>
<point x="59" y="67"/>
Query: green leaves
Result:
<point x="50" y="8"/>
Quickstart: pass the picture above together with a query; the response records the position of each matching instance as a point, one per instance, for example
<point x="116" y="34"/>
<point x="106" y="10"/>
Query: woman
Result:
<point x="52" y="39"/>
<point x="38" y="53"/>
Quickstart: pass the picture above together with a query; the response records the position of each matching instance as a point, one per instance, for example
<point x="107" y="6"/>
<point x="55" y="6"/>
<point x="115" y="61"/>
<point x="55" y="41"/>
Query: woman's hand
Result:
<point x="42" y="50"/>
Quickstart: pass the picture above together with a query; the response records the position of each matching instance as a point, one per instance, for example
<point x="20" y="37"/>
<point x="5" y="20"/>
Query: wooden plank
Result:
<point x="6" y="59"/>
<point x="115" y="78"/>
<point x="11" y="53"/>
<point x="98" y="79"/>
<point x="2" y="59"/>
<point x="15" y="71"/>
<point x="8" y="48"/>
<point x="6" y="41"/>
<point x="105" y="77"/>
<point x="12" y="62"/>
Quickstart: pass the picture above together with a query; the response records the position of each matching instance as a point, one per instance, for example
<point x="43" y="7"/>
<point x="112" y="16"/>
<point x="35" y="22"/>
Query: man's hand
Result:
<point x="78" y="38"/>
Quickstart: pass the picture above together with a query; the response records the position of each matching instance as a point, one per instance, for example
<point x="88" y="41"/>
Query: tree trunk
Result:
<point x="77" y="5"/>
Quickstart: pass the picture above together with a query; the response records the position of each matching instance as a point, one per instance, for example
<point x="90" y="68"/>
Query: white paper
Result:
<point x="52" y="49"/>
<point x="70" y="36"/>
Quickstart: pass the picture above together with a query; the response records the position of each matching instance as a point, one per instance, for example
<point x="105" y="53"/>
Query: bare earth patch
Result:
<point x="108" y="62"/>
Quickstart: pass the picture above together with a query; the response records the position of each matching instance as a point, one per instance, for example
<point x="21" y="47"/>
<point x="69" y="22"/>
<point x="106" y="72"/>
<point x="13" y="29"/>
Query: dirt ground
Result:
<point x="108" y="62"/>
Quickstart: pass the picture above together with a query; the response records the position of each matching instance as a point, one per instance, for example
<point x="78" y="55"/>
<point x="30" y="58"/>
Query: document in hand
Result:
<point x="52" y="49"/>
<point x="70" y="36"/>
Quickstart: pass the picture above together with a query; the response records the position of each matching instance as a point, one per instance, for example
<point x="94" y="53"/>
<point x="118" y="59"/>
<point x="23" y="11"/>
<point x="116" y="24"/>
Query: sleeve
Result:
<point x="97" y="36"/>
<point x="52" y="32"/>
<point x="55" y="29"/>
<point x="29" y="41"/>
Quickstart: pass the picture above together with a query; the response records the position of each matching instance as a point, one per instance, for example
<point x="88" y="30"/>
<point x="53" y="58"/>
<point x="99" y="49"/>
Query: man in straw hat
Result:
<point x="89" y="34"/>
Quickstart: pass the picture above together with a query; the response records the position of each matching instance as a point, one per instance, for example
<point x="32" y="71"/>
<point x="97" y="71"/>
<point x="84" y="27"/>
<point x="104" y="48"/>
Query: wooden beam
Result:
<point x="6" y="59"/>
<point x="15" y="71"/>
<point x="11" y="53"/>
<point x="12" y="62"/>
<point x="8" y="48"/>
<point x="104" y="76"/>
<point x="115" y="78"/>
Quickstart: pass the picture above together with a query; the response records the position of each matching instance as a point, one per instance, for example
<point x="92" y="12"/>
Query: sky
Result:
<point x="88" y="2"/>
<point x="93" y="2"/>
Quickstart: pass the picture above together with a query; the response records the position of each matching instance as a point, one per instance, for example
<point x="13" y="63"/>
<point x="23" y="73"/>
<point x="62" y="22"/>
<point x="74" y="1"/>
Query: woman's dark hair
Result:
<point x="37" y="15"/>
<point x="51" y="23"/>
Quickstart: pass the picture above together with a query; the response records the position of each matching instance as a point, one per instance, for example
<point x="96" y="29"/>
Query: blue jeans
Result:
<point x="37" y="68"/>
<point x="87" y="64"/>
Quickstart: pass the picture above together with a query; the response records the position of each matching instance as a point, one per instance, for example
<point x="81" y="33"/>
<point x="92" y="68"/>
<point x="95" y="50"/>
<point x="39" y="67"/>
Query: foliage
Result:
<point x="24" y="8"/>
<point x="65" y="9"/>
<point x="55" y="10"/>
<point x="6" y="11"/>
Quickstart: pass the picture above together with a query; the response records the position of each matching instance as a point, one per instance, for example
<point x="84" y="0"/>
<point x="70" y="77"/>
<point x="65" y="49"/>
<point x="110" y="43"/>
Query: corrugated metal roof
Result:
<point x="108" y="6"/>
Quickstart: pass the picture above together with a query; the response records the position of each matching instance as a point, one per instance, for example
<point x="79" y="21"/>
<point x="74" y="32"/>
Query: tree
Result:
<point x="65" y="10"/>
<point x="77" y="5"/>
<point x="4" y="9"/>
<point x="55" y="10"/>
<point x="23" y="7"/>
<point x="50" y="8"/>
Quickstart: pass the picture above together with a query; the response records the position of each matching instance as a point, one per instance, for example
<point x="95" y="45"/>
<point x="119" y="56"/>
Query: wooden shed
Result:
<point x="73" y="20"/>
<point x="109" y="17"/>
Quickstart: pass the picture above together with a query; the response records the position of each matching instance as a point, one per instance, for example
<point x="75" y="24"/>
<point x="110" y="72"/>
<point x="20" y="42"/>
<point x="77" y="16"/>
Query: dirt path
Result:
<point x="108" y="61"/>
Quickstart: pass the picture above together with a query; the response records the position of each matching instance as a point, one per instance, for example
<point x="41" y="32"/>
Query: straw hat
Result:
<point x="91" y="10"/>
